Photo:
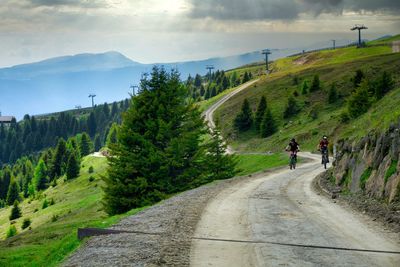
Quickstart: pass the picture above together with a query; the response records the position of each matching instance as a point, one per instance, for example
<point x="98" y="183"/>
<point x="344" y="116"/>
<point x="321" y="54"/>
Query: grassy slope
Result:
<point x="77" y="204"/>
<point x="332" y="66"/>
<point x="252" y="163"/>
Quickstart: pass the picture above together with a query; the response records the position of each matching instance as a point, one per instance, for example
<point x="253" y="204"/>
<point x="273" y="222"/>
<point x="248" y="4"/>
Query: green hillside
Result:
<point x="317" y="116"/>
<point x="53" y="233"/>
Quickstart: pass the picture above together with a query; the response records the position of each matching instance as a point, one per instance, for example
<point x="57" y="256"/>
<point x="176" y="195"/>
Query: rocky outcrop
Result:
<point x="370" y="165"/>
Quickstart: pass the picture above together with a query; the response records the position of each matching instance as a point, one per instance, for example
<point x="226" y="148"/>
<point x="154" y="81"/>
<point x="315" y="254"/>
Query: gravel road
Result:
<point x="278" y="220"/>
<point x="173" y="223"/>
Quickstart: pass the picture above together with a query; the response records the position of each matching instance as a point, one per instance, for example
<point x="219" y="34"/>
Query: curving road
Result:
<point x="278" y="220"/>
<point x="210" y="111"/>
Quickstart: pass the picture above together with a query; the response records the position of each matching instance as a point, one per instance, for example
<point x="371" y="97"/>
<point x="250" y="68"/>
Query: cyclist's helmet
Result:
<point x="324" y="137"/>
<point x="292" y="140"/>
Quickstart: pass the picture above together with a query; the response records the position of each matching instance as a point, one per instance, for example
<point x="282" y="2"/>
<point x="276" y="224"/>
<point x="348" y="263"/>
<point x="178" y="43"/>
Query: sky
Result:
<point x="151" y="31"/>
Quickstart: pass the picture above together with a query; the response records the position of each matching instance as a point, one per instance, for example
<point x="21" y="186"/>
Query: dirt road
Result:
<point x="210" y="111"/>
<point x="278" y="220"/>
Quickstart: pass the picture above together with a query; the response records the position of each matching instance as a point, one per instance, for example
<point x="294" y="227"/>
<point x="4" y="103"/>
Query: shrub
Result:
<point x="291" y="108"/>
<point x="15" y="211"/>
<point x="54" y="218"/>
<point x="332" y="94"/>
<point x="304" y="89"/>
<point x="268" y="125"/>
<point x="244" y="119"/>
<point x="91" y="179"/>
<point x="344" y="117"/>
<point x="26" y="223"/>
<point x="45" y="204"/>
<point x="12" y="231"/>
<point x="315" y="85"/>
<point x="91" y="169"/>
<point x="359" y="101"/>
<point x="52" y="202"/>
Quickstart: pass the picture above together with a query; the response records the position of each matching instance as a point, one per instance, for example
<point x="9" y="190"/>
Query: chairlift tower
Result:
<point x="133" y="89"/>
<point x="210" y="68"/>
<point x="334" y="44"/>
<point x="92" y="96"/>
<point x="359" y="27"/>
<point x="266" y="52"/>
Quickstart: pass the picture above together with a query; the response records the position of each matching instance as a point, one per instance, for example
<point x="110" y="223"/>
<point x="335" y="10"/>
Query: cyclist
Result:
<point x="293" y="147"/>
<point x="323" y="147"/>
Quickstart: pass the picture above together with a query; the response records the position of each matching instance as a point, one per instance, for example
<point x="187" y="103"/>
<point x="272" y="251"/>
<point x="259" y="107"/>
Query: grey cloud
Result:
<point x="74" y="3"/>
<point x="284" y="9"/>
<point x="391" y="6"/>
<point x="245" y="9"/>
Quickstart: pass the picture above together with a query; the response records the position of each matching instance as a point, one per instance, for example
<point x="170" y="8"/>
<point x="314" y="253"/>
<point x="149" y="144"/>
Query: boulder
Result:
<point x="341" y="168"/>
<point x="376" y="183"/>
<point x="395" y="145"/>
<point x="357" y="170"/>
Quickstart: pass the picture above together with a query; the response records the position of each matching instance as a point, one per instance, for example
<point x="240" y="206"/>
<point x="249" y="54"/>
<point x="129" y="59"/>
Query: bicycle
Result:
<point x="325" y="158"/>
<point x="292" y="160"/>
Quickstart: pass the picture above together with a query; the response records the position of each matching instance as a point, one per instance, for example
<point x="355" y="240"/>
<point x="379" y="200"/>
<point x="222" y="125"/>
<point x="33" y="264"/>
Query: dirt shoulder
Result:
<point x="376" y="210"/>
<point x="173" y="223"/>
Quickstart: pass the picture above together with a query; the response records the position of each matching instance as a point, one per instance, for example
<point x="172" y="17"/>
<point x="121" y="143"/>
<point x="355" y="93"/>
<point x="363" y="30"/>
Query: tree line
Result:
<point x="41" y="163"/>
<point x="203" y="88"/>
<point x="34" y="134"/>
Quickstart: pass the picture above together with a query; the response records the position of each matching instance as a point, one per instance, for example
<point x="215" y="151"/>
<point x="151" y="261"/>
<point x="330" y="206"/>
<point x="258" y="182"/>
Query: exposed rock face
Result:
<point x="377" y="153"/>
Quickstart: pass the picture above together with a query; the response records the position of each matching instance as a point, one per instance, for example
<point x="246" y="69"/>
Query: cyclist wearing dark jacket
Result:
<point x="293" y="147"/>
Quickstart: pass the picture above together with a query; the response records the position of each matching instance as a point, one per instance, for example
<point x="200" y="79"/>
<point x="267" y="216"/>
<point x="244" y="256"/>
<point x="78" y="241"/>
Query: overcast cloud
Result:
<point x="285" y="9"/>
<point x="175" y="30"/>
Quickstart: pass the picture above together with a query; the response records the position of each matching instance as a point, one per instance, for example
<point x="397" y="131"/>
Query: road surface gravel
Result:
<point x="285" y="223"/>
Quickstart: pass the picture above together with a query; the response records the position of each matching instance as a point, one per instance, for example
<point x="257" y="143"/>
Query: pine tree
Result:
<point x="73" y="167"/>
<point x="59" y="160"/>
<point x="304" y="89"/>
<point x="85" y="145"/>
<point x="97" y="143"/>
<point x="15" y="211"/>
<point x="359" y="101"/>
<point x="244" y="119"/>
<point x="40" y="177"/>
<point x="260" y="112"/>
<point x="5" y="182"/>
<point x="291" y="108"/>
<point x="158" y="151"/>
<point x="332" y="95"/>
<point x="91" y="124"/>
<point x="358" y="77"/>
<point x="383" y="85"/>
<point x="246" y="77"/>
<point x="315" y="85"/>
<point x="13" y="193"/>
<point x="268" y="126"/>
<point x="220" y="165"/>
<point x="112" y="135"/>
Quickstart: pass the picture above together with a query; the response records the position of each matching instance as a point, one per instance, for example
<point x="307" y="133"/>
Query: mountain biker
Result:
<point x="293" y="147"/>
<point x="323" y="146"/>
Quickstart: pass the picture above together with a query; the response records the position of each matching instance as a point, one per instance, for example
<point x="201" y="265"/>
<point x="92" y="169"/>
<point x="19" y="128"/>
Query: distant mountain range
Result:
<point x="64" y="82"/>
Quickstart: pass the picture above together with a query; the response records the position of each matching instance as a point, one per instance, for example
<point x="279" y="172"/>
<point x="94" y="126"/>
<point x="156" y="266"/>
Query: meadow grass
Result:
<point x="48" y="242"/>
<point x="252" y="163"/>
